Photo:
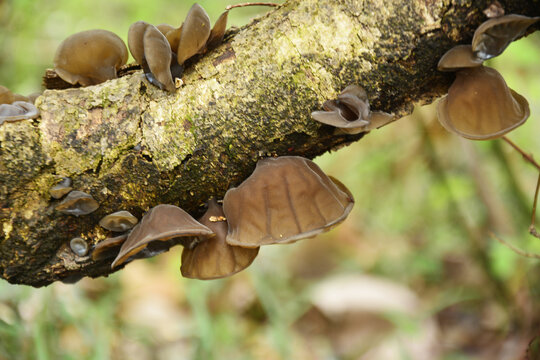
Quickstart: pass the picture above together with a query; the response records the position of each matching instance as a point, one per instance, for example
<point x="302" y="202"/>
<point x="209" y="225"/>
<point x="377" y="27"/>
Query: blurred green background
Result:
<point x="411" y="274"/>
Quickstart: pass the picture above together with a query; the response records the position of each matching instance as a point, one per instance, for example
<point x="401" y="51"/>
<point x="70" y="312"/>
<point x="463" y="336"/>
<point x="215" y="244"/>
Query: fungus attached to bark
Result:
<point x="494" y="35"/>
<point x="90" y="57"/>
<point x="480" y="106"/>
<point x="152" y="51"/>
<point x="350" y="113"/>
<point x="213" y="258"/>
<point x="195" y="32"/>
<point x="160" y="228"/>
<point x="119" y="221"/>
<point x="218" y="31"/>
<point x="458" y="57"/>
<point x="285" y="199"/>
<point x="79" y="246"/>
<point x="165" y="28"/>
<point x="78" y="203"/>
<point x="61" y="189"/>
<point x="108" y="248"/>
<point x="18" y="110"/>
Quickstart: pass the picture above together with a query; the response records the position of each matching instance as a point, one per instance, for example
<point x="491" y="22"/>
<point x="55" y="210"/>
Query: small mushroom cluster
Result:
<point x="76" y="202"/>
<point x="15" y="107"/>
<point x="162" y="51"/>
<point x="285" y="199"/>
<point x="479" y="104"/>
<point x="94" y="56"/>
<point x="350" y="113"/>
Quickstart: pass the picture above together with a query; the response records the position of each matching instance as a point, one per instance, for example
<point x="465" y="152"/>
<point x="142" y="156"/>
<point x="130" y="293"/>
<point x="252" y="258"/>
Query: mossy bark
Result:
<point x="133" y="146"/>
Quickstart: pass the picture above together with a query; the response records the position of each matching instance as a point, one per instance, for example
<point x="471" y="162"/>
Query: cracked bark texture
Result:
<point x="133" y="146"/>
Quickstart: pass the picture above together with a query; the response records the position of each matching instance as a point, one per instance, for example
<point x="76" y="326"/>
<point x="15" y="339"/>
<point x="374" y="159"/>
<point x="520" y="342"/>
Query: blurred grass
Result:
<point x="425" y="201"/>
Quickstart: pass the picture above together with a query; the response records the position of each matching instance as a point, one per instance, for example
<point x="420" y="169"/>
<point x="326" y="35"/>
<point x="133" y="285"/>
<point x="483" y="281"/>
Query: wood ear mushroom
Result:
<point x="350" y="113"/>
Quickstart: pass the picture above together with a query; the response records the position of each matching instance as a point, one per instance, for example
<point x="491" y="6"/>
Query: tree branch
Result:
<point x="133" y="146"/>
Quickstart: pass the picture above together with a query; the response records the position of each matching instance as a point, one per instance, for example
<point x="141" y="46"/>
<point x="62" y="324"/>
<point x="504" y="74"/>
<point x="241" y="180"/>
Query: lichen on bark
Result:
<point x="133" y="146"/>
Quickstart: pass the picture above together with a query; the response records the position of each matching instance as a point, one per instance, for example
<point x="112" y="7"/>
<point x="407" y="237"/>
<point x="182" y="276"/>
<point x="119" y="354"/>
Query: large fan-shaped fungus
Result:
<point x="350" y="112"/>
<point x="213" y="258"/>
<point x="90" y="57"/>
<point x="285" y="199"/>
<point x="480" y="106"/>
<point x="160" y="228"/>
<point x="494" y="35"/>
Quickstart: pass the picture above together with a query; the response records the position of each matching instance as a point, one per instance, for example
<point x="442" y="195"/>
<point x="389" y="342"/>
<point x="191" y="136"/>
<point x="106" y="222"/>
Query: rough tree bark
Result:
<point x="133" y="146"/>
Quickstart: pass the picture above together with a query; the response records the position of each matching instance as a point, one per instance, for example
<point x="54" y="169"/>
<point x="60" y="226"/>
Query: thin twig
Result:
<point x="532" y="228"/>
<point x="513" y="248"/>
<point x="529" y="158"/>
<point x="526" y="156"/>
<point x="229" y="7"/>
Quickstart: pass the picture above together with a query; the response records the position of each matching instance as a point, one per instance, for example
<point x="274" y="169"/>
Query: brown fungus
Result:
<point x="90" y="57"/>
<point x="6" y="96"/>
<point x="119" y="221"/>
<point x="458" y="57"/>
<point x="350" y="113"/>
<point x="480" y="106"/>
<point x="285" y="199"/>
<point x="78" y="203"/>
<point x="18" y="110"/>
<point x="152" y="51"/>
<point x="213" y="258"/>
<point x="108" y="248"/>
<point x="494" y="35"/>
<point x="161" y="227"/>
<point x="218" y="31"/>
<point x="165" y="28"/>
<point x="195" y="32"/>
<point x="62" y="188"/>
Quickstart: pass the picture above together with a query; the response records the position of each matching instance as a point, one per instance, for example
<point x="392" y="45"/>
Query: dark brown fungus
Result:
<point x="78" y="203"/>
<point x="213" y="258"/>
<point x="458" y="57"/>
<point x="285" y="199"/>
<point x="157" y="227"/>
<point x="18" y="110"/>
<point x="108" y="248"/>
<point x="494" y="35"/>
<point x="119" y="221"/>
<point x="480" y="106"/>
<point x="79" y="246"/>
<point x="90" y="57"/>
<point x="61" y="189"/>
<point x="195" y="32"/>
